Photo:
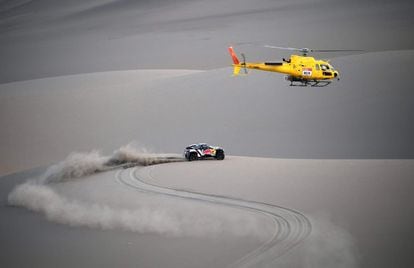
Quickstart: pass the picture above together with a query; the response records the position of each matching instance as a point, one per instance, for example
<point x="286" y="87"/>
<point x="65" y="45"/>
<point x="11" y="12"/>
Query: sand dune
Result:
<point x="42" y="38"/>
<point x="365" y="115"/>
<point x="338" y="199"/>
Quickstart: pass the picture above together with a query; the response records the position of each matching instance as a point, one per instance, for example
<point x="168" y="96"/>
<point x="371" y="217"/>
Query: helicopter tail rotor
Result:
<point x="243" y="64"/>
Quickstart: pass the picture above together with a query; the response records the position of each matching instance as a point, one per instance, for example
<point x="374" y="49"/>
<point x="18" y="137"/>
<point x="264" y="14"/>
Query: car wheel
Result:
<point x="220" y="155"/>
<point x="192" y="157"/>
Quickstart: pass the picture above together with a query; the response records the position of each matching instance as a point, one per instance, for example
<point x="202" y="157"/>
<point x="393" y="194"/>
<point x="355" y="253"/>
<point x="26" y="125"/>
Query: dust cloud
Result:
<point x="162" y="216"/>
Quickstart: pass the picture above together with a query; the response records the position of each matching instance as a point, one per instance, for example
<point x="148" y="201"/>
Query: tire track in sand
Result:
<point x="291" y="227"/>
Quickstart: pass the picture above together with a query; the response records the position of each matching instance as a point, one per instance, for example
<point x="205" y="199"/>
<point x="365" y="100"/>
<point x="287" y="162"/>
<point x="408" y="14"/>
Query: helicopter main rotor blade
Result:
<point x="307" y="50"/>
<point x="285" y="48"/>
<point x="336" y="50"/>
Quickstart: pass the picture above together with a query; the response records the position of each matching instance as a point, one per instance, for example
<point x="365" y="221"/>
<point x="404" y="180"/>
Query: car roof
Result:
<point x="197" y="144"/>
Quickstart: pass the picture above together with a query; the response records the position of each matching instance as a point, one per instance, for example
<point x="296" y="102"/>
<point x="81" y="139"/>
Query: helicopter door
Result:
<point x="318" y="70"/>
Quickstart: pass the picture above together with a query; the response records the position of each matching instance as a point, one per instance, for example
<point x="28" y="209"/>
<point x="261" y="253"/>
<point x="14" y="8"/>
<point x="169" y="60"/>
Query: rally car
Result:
<point x="203" y="150"/>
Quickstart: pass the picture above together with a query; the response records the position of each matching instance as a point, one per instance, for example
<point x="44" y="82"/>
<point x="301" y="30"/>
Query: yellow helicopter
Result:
<point x="300" y="70"/>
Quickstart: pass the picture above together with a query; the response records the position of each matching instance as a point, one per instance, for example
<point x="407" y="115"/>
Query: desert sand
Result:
<point x="313" y="177"/>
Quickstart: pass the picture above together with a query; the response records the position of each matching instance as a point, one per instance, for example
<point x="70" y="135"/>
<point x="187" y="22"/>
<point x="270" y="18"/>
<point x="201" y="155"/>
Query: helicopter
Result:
<point x="300" y="70"/>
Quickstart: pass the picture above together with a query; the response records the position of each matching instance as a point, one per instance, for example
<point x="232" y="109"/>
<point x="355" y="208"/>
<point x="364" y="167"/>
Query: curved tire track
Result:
<point x="291" y="227"/>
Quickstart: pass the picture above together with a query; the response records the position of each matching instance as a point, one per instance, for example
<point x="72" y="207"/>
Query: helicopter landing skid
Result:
<point x="320" y="83"/>
<point x="305" y="83"/>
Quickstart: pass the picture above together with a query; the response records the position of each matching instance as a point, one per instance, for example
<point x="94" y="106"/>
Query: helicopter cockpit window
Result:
<point x="324" y="67"/>
<point x="317" y="67"/>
